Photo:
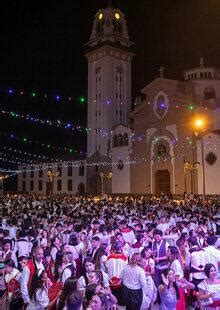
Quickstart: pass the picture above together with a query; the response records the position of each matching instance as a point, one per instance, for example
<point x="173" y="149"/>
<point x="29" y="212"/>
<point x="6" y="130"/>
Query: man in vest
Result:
<point x="7" y="251"/>
<point x="35" y="265"/>
<point x="159" y="248"/>
<point x="115" y="264"/>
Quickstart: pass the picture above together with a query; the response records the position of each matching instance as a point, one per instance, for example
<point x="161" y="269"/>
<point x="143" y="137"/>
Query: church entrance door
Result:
<point x="162" y="182"/>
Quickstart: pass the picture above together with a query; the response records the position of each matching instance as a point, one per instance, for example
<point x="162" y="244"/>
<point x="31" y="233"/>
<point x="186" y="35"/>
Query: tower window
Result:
<point x="125" y="138"/>
<point x="70" y="170"/>
<point x="40" y="172"/>
<point x="81" y="170"/>
<point x="70" y="185"/>
<point x="24" y="173"/>
<point x="116" y="112"/>
<point x="32" y="171"/>
<point x="116" y="78"/>
<point x="24" y="185"/>
<point x="59" y="185"/>
<point x="116" y="95"/>
<point x="40" y="185"/>
<point x="31" y="185"/>
<point x="120" y="140"/>
<point x="59" y="169"/>
<point x="115" y="141"/>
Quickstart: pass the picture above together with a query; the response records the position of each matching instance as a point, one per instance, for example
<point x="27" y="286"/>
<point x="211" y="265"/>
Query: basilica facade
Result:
<point x="169" y="143"/>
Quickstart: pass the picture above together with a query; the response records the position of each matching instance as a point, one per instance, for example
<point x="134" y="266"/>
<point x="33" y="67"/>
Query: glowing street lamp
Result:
<point x="104" y="175"/>
<point x="2" y="178"/>
<point x="199" y="126"/>
<point x="51" y="175"/>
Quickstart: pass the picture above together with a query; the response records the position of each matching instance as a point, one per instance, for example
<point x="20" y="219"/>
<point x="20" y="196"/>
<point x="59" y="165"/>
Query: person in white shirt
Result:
<point x="198" y="261"/>
<point x="134" y="281"/>
<point x="211" y="253"/>
<point x="164" y="225"/>
<point x="22" y="245"/>
<point x="33" y="266"/>
<point x="39" y="299"/>
<point x="68" y="268"/>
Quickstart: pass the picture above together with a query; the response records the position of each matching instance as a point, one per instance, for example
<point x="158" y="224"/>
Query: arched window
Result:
<point x="115" y="141"/>
<point x="161" y="149"/>
<point x="120" y="140"/>
<point x="161" y="104"/>
<point x="125" y="138"/>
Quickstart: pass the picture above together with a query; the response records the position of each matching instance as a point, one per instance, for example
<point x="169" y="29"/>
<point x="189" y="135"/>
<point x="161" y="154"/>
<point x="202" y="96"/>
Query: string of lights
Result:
<point x="46" y="122"/>
<point x="55" y="97"/>
<point x="25" y="139"/>
<point x="68" y="125"/>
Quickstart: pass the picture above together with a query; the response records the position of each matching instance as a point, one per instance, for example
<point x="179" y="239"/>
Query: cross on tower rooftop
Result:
<point x="161" y="70"/>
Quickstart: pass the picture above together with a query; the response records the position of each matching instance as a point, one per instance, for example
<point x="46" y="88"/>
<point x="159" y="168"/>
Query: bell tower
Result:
<point x="109" y="54"/>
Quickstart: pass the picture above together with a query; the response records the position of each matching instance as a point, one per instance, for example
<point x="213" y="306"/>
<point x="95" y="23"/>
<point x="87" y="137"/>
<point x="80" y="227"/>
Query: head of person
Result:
<point x="193" y="241"/>
<point x="91" y="290"/>
<point x="146" y="252"/>
<point x="65" y="248"/>
<point x="99" y="302"/>
<point x="74" y="301"/>
<point x="95" y="277"/>
<point x="55" y="241"/>
<point x="210" y="271"/>
<point x="169" y="275"/>
<point x="73" y="240"/>
<point x="22" y="262"/>
<point x="9" y="265"/>
<point x="135" y="260"/>
<point x="38" y="254"/>
<point x="69" y="287"/>
<point x="211" y="240"/>
<point x="89" y="264"/>
<point x="7" y="245"/>
<point x="83" y="236"/>
<point x="172" y="252"/>
<point x="59" y="227"/>
<point x="95" y="242"/>
<point x="163" y="219"/>
<point x="119" y="237"/>
<point x="158" y="235"/>
<point x="67" y="258"/>
<point x="118" y="246"/>
<point x="44" y="233"/>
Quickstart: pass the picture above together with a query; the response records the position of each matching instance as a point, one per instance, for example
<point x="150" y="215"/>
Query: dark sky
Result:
<point x="42" y="49"/>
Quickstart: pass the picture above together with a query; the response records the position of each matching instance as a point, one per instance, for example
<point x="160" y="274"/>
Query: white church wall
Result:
<point x="36" y="179"/>
<point x="212" y="172"/>
<point x="121" y="162"/>
<point x="216" y="122"/>
<point x="121" y="178"/>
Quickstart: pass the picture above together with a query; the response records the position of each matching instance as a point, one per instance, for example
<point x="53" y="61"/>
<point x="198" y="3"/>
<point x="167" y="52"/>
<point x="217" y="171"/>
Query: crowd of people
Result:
<point x="73" y="252"/>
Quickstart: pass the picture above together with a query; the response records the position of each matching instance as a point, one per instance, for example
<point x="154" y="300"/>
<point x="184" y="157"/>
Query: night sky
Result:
<point x="41" y="51"/>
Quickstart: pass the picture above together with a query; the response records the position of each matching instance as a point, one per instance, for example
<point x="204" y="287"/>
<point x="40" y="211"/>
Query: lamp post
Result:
<point x="2" y="178"/>
<point x="51" y="176"/>
<point x="190" y="167"/>
<point x="199" y="132"/>
<point x="103" y="176"/>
